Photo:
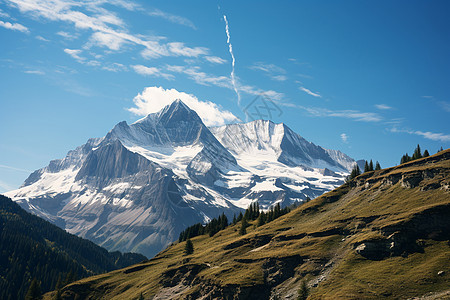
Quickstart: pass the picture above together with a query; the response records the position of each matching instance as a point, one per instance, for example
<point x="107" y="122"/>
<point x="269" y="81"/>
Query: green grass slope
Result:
<point x="384" y="234"/>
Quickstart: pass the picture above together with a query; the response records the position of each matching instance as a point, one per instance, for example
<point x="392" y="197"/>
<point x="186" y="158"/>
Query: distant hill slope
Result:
<point x="384" y="234"/>
<point x="31" y="247"/>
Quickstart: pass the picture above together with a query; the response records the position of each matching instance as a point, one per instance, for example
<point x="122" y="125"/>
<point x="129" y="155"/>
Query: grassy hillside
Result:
<point x="31" y="247"/>
<point x="384" y="234"/>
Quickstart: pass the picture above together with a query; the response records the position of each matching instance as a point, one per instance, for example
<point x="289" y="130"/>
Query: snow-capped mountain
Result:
<point x="136" y="188"/>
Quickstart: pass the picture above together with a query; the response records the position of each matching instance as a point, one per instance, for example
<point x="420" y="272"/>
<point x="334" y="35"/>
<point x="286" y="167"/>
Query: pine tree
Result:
<point x="244" y="224"/>
<point x="377" y="166"/>
<point x="366" y="167"/>
<point x="371" y="166"/>
<point x="405" y="158"/>
<point x="261" y="219"/>
<point x="189" y="247"/>
<point x="417" y="153"/>
<point x="234" y="219"/>
<point x="240" y="216"/>
<point x="355" y="172"/>
<point x="141" y="297"/>
<point x="34" y="291"/>
<point x="303" y="292"/>
<point x="425" y="153"/>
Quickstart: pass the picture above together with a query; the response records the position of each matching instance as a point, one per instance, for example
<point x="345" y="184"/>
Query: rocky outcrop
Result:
<point x="402" y="238"/>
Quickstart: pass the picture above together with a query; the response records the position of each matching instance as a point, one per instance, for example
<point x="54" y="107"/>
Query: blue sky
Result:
<point x="368" y="78"/>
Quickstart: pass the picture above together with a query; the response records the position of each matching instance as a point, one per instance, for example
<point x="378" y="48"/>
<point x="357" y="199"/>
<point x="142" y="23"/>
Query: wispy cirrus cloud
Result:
<point x="41" y="38"/>
<point x="151" y="71"/>
<point x="179" y="49"/>
<point x="115" y="67"/>
<point x="200" y="77"/>
<point x="108" y="30"/>
<point x="15" y="169"/>
<point x="268" y="68"/>
<point x="444" y="105"/>
<point x="108" y="40"/>
<point x="275" y="72"/>
<point x="351" y="114"/>
<point x="215" y="60"/>
<point x="67" y="35"/>
<point x="75" y="53"/>
<point x="309" y="92"/>
<point x="383" y="106"/>
<point x="344" y="137"/>
<point x="14" y="26"/>
<point x="434" y="136"/>
<point x="36" y="72"/>
<point x="4" y="14"/>
<point x="172" y="18"/>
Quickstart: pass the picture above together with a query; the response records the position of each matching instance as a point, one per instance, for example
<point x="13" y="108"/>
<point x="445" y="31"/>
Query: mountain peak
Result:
<point x="175" y="113"/>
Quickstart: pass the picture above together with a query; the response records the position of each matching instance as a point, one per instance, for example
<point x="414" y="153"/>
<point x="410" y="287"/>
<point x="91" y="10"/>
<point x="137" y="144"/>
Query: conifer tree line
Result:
<point x="416" y="155"/>
<point x="37" y="257"/>
<point x="368" y="167"/>
<point x="211" y="228"/>
<point x="252" y="213"/>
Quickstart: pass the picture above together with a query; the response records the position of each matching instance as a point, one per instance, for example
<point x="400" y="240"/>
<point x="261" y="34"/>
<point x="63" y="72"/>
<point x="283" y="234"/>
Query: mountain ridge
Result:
<point x="383" y="234"/>
<point x="139" y="186"/>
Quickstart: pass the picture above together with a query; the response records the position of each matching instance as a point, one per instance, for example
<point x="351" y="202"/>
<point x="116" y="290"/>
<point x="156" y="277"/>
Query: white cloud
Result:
<point x="153" y="99"/>
<point x="383" y="106"/>
<point x="200" y="77"/>
<point x="4" y="14"/>
<point x="41" y="38"/>
<point x="251" y="90"/>
<point x="115" y="67"/>
<point x="203" y="78"/>
<point x="268" y="68"/>
<point x="434" y="136"/>
<point x="14" y="26"/>
<point x="279" y="77"/>
<point x="271" y="70"/>
<point x="90" y="15"/>
<point x="215" y="59"/>
<point x="179" y="49"/>
<point x="426" y="134"/>
<point x="151" y="71"/>
<point x="172" y="18"/>
<point x="67" y="35"/>
<point x="111" y="41"/>
<point x="347" y="114"/>
<point x="37" y="72"/>
<point x="75" y="53"/>
<point x="309" y="92"/>
<point x="444" y="105"/>
<point x="344" y="137"/>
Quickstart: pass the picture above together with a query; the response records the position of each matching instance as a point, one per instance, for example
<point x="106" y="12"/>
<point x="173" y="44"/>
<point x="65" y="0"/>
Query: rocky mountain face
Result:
<point x="139" y="186"/>
<point x="383" y="235"/>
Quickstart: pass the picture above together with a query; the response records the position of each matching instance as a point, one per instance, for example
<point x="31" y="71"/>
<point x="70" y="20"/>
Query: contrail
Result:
<point x="230" y="48"/>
